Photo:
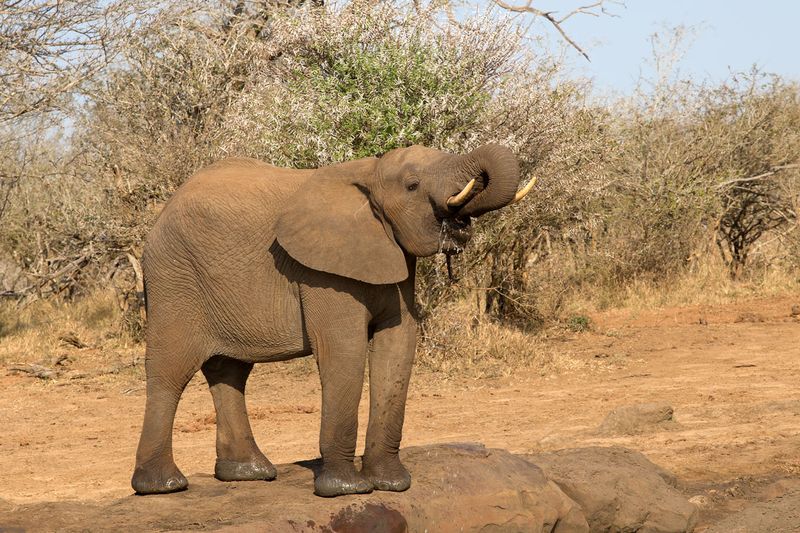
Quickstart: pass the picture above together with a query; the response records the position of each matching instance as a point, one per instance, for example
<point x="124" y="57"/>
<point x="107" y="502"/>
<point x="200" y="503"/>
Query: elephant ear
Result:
<point x="329" y="225"/>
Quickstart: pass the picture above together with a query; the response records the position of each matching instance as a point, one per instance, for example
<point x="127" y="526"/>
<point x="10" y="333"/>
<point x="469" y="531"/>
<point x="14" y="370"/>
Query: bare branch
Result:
<point x="590" y="9"/>
<point x="771" y="172"/>
<point x="49" y="48"/>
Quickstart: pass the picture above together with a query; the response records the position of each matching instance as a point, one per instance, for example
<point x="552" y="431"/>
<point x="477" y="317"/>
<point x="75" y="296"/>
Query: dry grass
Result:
<point x="461" y="338"/>
<point x="86" y="331"/>
<point x="458" y="340"/>
<point x="706" y="282"/>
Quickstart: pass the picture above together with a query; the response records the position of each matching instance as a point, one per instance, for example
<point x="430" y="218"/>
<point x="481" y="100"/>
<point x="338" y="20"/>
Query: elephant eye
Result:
<point x="412" y="186"/>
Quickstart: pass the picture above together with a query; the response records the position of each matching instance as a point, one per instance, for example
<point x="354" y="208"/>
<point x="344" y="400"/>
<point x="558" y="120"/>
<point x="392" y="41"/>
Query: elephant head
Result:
<point x="360" y="219"/>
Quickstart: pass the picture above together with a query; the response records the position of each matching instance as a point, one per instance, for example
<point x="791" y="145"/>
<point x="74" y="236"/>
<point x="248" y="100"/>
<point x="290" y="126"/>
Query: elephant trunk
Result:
<point x="496" y="173"/>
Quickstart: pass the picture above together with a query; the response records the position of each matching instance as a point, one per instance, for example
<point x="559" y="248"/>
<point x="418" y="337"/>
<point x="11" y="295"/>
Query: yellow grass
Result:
<point x="706" y="282"/>
<point x="36" y="333"/>
<point x="456" y="340"/>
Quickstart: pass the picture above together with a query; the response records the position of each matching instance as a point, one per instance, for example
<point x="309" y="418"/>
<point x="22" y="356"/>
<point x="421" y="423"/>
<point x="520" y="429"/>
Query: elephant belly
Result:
<point x="256" y="319"/>
<point x="260" y="332"/>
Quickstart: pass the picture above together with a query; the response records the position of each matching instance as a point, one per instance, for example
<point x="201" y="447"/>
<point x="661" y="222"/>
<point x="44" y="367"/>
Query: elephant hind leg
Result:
<point x="238" y="456"/>
<point x="167" y="376"/>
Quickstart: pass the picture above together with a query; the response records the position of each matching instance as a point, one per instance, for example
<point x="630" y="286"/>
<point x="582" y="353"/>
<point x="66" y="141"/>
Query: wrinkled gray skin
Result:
<point x="249" y="263"/>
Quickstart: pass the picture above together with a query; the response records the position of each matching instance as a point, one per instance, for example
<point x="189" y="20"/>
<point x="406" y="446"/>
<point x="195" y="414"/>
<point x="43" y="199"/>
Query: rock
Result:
<point x="795" y="311"/>
<point x="700" y="501"/>
<point x="781" y="514"/>
<point x="619" y="489"/>
<point x="469" y="487"/>
<point x="12" y="278"/>
<point x="749" y="317"/>
<point x="631" y="419"/>
<point x="454" y="488"/>
<point x="778" y="488"/>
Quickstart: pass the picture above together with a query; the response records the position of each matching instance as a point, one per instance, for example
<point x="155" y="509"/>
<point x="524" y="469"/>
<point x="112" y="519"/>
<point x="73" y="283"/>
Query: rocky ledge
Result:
<point x="456" y="487"/>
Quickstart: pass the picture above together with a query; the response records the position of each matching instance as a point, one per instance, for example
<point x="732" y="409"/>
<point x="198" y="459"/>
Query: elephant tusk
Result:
<point x="458" y="199"/>
<point x="523" y="191"/>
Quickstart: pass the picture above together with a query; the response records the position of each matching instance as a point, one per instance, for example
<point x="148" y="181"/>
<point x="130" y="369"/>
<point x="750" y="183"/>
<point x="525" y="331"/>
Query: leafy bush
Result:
<point x="579" y="323"/>
<point x="364" y="81"/>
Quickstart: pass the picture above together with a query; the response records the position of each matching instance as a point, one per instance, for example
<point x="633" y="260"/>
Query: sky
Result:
<point x="723" y="36"/>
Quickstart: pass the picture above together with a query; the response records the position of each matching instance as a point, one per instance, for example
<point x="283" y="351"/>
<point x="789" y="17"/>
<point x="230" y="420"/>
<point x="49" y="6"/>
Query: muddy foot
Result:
<point x="260" y="469"/>
<point x="387" y="474"/>
<point x="332" y="481"/>
<point x="158" y="480"/>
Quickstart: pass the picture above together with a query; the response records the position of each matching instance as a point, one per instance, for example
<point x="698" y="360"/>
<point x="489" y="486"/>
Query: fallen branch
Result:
<point x="43" y="372"/>
<point x="36" y="371"/>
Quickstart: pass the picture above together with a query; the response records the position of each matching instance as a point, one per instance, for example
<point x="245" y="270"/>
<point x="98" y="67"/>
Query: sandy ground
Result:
<point x="731" y="373"/>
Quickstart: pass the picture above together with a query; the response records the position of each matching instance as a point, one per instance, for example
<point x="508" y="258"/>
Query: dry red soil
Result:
<point x="731" y="373"/>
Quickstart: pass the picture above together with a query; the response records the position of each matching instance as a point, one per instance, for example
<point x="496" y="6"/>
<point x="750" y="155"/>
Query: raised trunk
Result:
<point x="497" y="172"/>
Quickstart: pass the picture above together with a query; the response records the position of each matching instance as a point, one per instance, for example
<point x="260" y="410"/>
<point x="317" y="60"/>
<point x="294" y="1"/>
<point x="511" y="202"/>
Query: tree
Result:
<point x="752" y="207"/>
<point x="50" y="47"/>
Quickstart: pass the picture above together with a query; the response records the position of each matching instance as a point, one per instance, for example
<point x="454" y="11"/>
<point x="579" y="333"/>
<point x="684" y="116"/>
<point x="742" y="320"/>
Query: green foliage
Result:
<point x="579" y="323"/>
<point x="388" y="92"/>
<point x="362" y="82"/>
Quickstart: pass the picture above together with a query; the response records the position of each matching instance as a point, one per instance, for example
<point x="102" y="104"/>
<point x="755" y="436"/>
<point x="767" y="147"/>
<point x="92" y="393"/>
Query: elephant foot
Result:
<point x="387" y="474"/>
<point x="256" y="470"/>
<point x="337" y="481"/>
<point x="161" y="479"/>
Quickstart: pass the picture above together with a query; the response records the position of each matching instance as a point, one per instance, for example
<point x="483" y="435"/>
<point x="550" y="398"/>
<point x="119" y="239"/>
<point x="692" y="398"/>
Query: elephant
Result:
<point x="250" y="263"/>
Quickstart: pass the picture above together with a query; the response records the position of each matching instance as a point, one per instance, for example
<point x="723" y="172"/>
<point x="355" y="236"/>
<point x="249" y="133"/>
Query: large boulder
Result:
<point x="454" y="488"/>
<point x="619" y="490"/>
<point x="472" y="488"/>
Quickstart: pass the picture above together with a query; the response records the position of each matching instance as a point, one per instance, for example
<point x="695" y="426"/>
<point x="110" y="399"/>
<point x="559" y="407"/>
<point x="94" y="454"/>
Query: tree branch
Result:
<point x="589" y="9"/>
<point x="770" y="172"/>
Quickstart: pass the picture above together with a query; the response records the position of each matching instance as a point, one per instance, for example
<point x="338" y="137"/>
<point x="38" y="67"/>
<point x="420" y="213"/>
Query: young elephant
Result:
<point x="249" y="263"/>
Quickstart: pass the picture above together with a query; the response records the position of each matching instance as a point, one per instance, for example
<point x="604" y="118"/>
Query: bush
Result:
<point x="631" y="192"/>
<point x="710" y="164"/>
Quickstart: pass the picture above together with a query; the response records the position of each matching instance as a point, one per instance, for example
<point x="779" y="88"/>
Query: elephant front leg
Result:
<point x="341" y="392"/>
<point x="390" y="364"/>
<point x="337" y="326"/>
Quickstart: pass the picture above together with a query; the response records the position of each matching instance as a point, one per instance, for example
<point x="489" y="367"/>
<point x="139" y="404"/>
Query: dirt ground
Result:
<point x="731" y="373"/>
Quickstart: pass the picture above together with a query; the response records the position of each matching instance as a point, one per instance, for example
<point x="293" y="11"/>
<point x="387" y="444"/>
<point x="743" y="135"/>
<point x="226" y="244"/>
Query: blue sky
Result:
<point x="730" y="35"/>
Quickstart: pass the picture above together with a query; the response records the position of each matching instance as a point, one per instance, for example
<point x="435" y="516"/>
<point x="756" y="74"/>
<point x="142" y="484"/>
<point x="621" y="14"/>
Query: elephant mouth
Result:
<point x="454" y="234"/>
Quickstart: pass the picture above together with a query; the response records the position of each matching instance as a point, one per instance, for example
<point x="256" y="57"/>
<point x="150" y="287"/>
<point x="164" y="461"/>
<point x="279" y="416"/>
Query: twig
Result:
<point x="770" y="172"/>
<point x="556" y="22"/>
